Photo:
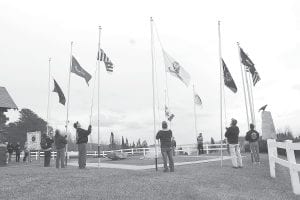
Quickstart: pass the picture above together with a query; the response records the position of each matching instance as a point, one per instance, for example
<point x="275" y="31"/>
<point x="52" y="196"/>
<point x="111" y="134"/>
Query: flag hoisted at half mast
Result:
<point x="60" y="93"/>
<point x="77" y="69"/>
<point x="175" y="69"/>
<point x="197" y="100"/>
<point x="103" y="57"/>
<point x="228" y="80"/>
<point x="249" y="66"/>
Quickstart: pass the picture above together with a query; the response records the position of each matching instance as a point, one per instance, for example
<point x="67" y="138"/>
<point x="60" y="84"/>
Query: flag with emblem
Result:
<point x="168" y="114"/>
<point x="78" y="70"/>
<point x="249" y="66"/>
<point x="228" y="80"/>
<point x="60" y="93"/>
<point x="108" y="64"/>
<point x="175" y="69"/>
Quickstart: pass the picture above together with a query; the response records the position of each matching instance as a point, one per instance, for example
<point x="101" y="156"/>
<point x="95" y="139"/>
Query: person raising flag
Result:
<point x="82" y="139"/>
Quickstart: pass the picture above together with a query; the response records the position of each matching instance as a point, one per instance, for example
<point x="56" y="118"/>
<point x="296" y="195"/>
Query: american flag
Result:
<point x="103" y="57"/>
<point x="249" y="66"/>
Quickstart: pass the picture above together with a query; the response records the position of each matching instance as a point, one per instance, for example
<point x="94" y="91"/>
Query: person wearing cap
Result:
<point x="232" y="135"/>
<point x="82" y="139"/>
<point x="60" y="142"/>
<point x="165" y="136"/>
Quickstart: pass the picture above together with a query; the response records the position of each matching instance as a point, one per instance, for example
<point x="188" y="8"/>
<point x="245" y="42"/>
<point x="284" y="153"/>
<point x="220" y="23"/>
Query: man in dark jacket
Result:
<point x="10" y="150"/>
<point x="200" y="144"/>
<point x="165" y="136"/>
<point x="18" y="151"/>
<point x="46" y="145"/>
<point x="60" y="144"/>
<point x="82" y="139"/>
<point x="232" y="135"/>
<point x="252" y="137"/>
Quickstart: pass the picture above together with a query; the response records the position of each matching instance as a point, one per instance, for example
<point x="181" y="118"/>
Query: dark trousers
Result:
<point x="17" y="157"/>
<point x="47" y="158"/>
<point x="167" y="153"/>
<point x="25" y="156"/>
<point x="82" y="155"/>
<point x="200" y="149"/>
<point x="60" y="157"/>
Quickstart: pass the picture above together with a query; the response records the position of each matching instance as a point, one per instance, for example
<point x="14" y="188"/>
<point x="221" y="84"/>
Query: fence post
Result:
<point x="144" y="151"/>
<point x="206" y="148"/>
<point x="132" y="151"/>
<point x="36" y="155"/>
<point x="292" y="161"/>
<point x="272" y="152"/>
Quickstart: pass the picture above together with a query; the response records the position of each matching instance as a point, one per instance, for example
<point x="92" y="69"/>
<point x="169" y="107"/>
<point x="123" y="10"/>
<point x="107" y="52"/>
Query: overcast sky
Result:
<point x="268" y="31"/>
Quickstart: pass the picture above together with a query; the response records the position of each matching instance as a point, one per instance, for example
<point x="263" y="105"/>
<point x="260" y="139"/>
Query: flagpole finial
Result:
<point x="219" y="22"/>
<point x="100" y="27"/>
<point x="151" y="19"/>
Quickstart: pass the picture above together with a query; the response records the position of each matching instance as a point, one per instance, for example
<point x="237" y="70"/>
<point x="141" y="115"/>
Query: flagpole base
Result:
<point x="156" y="168"/>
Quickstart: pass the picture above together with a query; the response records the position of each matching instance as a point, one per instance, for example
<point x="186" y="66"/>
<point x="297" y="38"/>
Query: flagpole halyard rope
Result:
<point x="49" y="88"/>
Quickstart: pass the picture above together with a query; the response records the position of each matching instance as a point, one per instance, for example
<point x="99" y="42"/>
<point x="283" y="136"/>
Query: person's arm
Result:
<point x="247" y="136"/>
<point x="158" y="135"/>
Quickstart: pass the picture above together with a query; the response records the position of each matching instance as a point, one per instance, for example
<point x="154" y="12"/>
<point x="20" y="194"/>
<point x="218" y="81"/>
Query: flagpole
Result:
<point x="221" y="93"/>
<point x="68" y="104"/>
<point x="153" y="92"/>
<point x="251" y="95"/>
<point x="49" y="88"/>
<point x="99" y="96"/>
<point x="92" y="104"/>
<point x="195" y="114"/>
<point x="242" y="72"/>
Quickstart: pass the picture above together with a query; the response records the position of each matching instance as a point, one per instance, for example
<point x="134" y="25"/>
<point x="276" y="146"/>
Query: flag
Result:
<point x="228" y="80"/>
<point x="249" y="66"/>
<point x="61" y="95"/>
<point x="103" y="57"/>
<point x="197" y="100"/>
<point x="168" y="114"/>
<point x="77" y="69"/>
<point x="175" y="69"/>
<point x="171" y="117"/>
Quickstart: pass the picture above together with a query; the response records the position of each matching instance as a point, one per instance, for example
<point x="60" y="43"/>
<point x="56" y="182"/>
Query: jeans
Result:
<point x="17" y="157"/>
<point x="168" y="153"/>
<point x="9" y="156"/>
<point x="82" y="155"/>
<point x="47" y="158"/>
<point x="254" y="151"/>
<point x="60" y="157"/>
<point x="235" y="153"/>
<point x="200" y="149"/>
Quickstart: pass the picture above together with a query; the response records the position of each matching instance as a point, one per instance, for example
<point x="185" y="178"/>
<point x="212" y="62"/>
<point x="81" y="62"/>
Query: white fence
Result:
<point x="186" y="149"/>
<point x="289" y="163"/>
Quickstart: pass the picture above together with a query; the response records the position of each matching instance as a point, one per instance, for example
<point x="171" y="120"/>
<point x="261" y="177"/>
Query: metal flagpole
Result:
<point x="153" y="92"/>
<point x="68" y="104"/>
<point x="92" y="104"/>
<point x="49" y="88"/>
<point x="195" y="114"/>
<point x="242" y="72"/>
<point x="251" y="98"/>
<point x="221" y="93"/>
<point x="99" y="52"/>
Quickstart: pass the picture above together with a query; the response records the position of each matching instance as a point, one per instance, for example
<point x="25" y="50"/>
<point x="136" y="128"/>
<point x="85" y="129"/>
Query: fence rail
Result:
<point x="290" y="163"/>
<point x="186" y="149"/>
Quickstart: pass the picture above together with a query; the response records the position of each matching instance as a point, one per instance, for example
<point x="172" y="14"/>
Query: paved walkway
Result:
<point x="145" y="167"/>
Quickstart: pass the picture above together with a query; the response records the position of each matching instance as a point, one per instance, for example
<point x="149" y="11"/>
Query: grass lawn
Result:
<point x="199" y="181"/>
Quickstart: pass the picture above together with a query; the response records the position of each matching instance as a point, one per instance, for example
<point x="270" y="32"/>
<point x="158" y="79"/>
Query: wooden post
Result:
<point x="272" y="152"/>
<point x="206" y="148"/>
<point x="293" y="172"/>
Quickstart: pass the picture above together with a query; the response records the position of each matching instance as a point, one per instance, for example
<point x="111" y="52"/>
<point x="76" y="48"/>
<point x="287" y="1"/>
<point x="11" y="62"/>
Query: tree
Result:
<point x="3" y="120"/>
<point x="112" y="144"/>
<point x="138" y="143"/>
<point x="127" y="144"/>
<point x="144" y="144"/>
<point x="123" y="143"/>
<point x="27" y="122"/>
<point x="133" y="145"/>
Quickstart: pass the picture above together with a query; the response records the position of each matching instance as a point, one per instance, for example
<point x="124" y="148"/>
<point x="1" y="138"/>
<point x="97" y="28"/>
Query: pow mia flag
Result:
<point x="228" y="80"/>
